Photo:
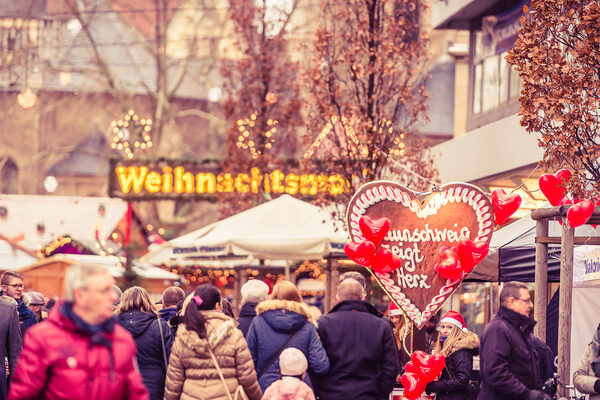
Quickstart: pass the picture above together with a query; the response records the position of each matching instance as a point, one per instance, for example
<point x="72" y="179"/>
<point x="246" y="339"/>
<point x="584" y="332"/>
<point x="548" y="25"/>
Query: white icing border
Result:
<point x="448" y="193"/>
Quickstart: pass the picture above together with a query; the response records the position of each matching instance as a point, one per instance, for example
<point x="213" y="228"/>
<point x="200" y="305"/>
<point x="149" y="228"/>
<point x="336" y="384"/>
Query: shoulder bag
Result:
<point x="276" y="355"/>
<point x="239" y="392"/>
<point x="162" y="343"/>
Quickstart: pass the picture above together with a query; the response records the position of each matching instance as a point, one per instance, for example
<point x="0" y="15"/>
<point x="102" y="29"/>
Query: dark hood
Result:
<point x="356" y="305"/>
<point x="283" y="315"/>
<point x="248" y="310"/>
<point x="167" y="313"/>
<point x="136" y="322"/>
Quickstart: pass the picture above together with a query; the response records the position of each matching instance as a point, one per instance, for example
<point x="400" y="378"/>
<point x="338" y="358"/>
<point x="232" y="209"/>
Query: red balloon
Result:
<point x="504" y="205"/>
<point x="471" y="253"/>
<point x="361" y="253"/>
<point x="385" y="261"/>
<point x="580" y="213"/>
<point x="448" y="267"/>
<point x="552" y="186"/>
<point x="413" y="385"/>
<point x="565" y="200"/>
<point x="430" y="366"/>
<point x="374" y="229"/>
<point x="410" y="367"/>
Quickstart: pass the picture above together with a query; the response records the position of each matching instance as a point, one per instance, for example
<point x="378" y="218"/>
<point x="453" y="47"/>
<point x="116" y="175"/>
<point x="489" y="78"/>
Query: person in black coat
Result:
<point x="253" y="292"/>
<point x="10" y="343"/>
<point x="509" y="365"/>
<point x="458" y="346"/>
<point x="361" y="349"/>
<point x="172" y="296"/>
<point x="153" y="337"/>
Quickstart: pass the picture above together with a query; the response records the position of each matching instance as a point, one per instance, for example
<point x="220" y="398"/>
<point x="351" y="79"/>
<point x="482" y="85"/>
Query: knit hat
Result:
<point x="292" y="362"/>
<point x="37" y="299"/>
<point x="454" y="318"/>
<point x="394" y="310"/>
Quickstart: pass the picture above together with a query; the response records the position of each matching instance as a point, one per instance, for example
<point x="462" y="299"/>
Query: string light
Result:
<point x="247" y="141"/>
<point x="53" y="247"/>
<point x="131" y="134"/>
<point x="27" y="99"/>
<point x="346" y="126"/>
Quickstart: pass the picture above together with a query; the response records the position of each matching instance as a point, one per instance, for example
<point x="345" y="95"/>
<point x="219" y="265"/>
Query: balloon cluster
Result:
<point x="419" y="371"/>
<point x="368" y="253"/>
<point x="456" y="261"/>
<point x="553" y="186"/>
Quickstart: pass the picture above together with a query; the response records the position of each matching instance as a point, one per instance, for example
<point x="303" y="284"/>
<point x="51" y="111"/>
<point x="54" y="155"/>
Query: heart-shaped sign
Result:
<point x="553" y="186"/>
<point x="505" y="205"/>
<point x="418" y="228"/>
<point x="471" y="253"/>
<point x="361" y="253"/>
<point x="413" y="385"/>
<point x="374" y="229"/>
<point x="580" y="213"/>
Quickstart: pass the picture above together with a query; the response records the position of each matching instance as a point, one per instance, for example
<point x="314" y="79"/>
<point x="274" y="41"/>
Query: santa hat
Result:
<point x="394" y="310"/>
<point x="454" y="318"/>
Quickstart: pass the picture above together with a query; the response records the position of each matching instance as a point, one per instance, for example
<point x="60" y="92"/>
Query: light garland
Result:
<point x="50" y="248"/>
<point x="348" y="130"/>
<point x="247" y="142"/>
<point x="131" y="134"/>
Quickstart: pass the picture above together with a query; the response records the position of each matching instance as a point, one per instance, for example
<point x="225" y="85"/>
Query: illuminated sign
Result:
<point x="170" y="179"/>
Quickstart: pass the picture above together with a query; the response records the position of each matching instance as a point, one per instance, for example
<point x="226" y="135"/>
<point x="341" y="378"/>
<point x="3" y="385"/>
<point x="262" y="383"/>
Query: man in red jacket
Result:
<point x="79" y="353"/>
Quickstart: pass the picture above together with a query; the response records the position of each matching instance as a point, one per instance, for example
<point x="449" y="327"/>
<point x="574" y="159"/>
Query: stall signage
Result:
<point x="420" y="227"/>
<point x="170" y="179"/>
<point x="591" y="262"/>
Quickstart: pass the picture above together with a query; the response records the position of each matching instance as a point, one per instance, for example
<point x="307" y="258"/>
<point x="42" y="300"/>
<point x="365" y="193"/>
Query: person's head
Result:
<point x="12" y="284"/>
<point x="286" y="290"/>
<point x="396" y="315"/>
<point x="227" y="308"/>
<point x="292" y="362"/>
<point x="8" y="300"/>
<point x="136" y="298"/>
<point x="205" y="298"/>
<point x="452" y="328"/>
<point x="36" y="302"/>
<point x="254" y="291"/>
<point x="515" y="296"/>
<point x="350" y="289"/>
<point x="172" y="296"/>
<point x="90" y="288"/>
<point x="357" y="276"/>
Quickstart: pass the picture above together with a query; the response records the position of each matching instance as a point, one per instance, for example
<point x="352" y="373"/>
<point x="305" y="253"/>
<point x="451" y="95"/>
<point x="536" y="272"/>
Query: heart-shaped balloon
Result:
<point x="504" y="205"/>
<point x="429" y="366"/>
<point x="410" y="367"/>
<point x="361" y="253"/>
<point x="553" y="186"/>
<point x="448" y="267"/>
<point x="413" y="385"/>
<point x="580" y="213"/>
<point x="471" y="253"/>
<point x="385" y="261"/>
<point x="374" y="229"/>
<point x="565" y="200"/>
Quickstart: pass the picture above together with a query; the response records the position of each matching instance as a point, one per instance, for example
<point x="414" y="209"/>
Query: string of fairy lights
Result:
<point x="247" y="141"/>
<point x="131" y="134"/>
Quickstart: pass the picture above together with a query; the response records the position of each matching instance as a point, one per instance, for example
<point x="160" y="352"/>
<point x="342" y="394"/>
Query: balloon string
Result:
<point x="408" y="326"/>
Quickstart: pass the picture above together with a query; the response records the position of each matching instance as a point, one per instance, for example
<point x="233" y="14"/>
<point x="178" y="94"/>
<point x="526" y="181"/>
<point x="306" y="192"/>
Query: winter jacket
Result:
<point x="362" y="352"/>
<point x="276" y="321"/>
<point x="10" y="342"/>
<point x="144" y="329"/>
<point x="584" y="377"/>
<point x="59" y="362"/>
<point x="247" y="314"/>
<point x="192" y="374"/>
<point x="27" y="317"/>
<point x="509" y="365"/>
<point x="454" y="382"/>
<point x="289" y="388"/>
<point x="167" y="313"/>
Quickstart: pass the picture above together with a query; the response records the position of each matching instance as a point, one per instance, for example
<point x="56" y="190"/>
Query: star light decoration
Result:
<point x="131" y="133"/>
<point x="246" y="140"/>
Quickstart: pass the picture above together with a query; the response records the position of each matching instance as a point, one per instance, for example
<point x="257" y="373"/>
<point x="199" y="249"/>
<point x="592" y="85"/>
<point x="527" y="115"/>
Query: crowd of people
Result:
<point x="99" y="343"/>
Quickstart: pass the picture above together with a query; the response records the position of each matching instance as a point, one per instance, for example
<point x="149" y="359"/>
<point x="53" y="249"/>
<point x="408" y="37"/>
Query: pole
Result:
<point x="328" y="301"/>
<point x="564" y="308"/>
<point x="541" y="280"/>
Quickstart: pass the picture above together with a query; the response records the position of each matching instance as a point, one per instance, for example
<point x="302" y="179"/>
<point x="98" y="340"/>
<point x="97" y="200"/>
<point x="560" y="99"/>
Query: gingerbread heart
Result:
<point x="419" y="226"/>
<point x="361" y="253"/>
<point x="374" y="229"/>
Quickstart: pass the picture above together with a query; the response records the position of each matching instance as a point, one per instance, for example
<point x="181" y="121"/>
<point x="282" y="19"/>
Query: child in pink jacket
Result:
<point x="292" y="365"/>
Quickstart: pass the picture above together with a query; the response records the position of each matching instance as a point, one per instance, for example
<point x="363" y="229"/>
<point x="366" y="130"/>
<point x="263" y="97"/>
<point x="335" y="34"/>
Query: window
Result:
<point x="9" y="176"/>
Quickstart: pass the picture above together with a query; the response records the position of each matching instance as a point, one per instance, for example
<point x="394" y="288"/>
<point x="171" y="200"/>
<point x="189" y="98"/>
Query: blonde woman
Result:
<point x="153" y="338"/>
<point x="459" y="346"/>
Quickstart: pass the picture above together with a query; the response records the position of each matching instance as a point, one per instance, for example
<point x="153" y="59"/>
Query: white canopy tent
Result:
<point x="282" y="229"/>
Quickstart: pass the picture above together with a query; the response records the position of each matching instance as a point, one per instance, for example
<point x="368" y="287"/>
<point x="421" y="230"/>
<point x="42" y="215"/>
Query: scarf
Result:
<point x="98" y="333"/>
<point x="596" y="352"/>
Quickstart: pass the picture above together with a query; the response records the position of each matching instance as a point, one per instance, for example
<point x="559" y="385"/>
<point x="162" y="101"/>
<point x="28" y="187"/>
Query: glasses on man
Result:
<point x="15" y="285"/>
<point x="528" y="300"/>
